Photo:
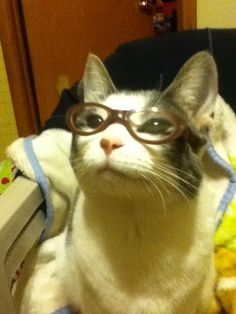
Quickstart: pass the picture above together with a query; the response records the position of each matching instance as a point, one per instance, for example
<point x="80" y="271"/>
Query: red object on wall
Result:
<point x="164" y="16"/>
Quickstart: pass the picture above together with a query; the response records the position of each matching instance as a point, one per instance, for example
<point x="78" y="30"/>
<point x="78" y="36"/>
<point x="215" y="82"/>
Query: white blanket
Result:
<point x="45" y="159"/>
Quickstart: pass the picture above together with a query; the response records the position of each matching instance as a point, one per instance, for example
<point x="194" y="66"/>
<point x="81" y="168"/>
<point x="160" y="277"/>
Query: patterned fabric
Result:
<point x="7" y="174"/>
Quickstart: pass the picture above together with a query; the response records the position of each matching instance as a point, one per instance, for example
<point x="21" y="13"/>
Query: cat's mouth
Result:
<point x="110" y="171"/>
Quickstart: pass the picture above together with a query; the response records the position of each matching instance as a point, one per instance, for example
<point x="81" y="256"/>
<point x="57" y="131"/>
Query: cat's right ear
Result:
<point x="96" y="82"/>
<point x="195" y="88"/>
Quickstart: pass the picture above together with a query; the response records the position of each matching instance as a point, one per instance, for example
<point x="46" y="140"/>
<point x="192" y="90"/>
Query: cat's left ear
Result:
<point x="195" y="89"/>
<point x="96" y="82"/>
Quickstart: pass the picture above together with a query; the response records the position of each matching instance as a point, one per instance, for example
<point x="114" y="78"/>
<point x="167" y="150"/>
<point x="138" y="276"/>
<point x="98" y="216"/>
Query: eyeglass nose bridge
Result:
<point x="118" y="116"/>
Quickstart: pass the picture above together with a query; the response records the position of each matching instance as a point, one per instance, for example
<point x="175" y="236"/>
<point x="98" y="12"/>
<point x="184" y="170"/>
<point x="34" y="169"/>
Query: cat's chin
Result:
<point x="110" y="178"/>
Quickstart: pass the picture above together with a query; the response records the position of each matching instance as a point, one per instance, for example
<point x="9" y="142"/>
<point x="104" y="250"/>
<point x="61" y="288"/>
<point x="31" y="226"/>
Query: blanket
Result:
<point x="45" y="159"/>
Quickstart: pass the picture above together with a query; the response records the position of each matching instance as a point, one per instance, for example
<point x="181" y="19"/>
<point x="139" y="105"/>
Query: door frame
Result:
<point x="187" y="14"/>
<point x="18" y="65"/>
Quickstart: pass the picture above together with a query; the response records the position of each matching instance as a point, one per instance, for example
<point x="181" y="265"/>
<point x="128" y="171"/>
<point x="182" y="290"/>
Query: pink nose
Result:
<point x="110" y="144"/>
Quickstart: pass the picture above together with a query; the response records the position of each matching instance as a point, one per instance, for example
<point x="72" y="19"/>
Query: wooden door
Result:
<point x="61" y="33"/>
<point x="55" y="38"/>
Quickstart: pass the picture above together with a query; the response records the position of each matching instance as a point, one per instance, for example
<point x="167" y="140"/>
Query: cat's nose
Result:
<point x="110" y="144"/>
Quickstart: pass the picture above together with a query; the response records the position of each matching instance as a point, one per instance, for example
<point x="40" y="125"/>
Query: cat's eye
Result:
<point x="94" y="120"/>
<point x="156" y="126"/>
<point x="150" y="126"/>
<point x="88" y="119"/>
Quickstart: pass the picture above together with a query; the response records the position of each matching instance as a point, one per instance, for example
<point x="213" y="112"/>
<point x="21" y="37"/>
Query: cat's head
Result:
<point x="110" y="159"/>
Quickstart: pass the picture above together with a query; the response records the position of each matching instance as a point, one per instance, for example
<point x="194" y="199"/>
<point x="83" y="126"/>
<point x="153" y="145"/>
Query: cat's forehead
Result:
<point x="127" y="101"/>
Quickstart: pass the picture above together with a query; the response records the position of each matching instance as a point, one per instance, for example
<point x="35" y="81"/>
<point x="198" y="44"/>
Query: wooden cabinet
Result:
<point x="45" y="45"/>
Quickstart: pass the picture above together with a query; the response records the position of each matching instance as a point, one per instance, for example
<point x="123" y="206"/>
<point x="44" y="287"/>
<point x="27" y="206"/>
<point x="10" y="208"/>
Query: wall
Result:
<point x="216" y="13"/>
<point x="8" y="130"/>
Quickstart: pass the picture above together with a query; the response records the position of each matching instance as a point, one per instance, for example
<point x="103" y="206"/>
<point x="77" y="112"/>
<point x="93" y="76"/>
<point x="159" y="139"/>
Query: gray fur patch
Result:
<point x="188" y="171"/>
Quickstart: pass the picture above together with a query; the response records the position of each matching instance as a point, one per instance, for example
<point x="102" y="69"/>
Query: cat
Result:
<point x="139" y="237"/>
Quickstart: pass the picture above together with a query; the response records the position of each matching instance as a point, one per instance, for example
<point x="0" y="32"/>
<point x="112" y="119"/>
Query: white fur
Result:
<point x="127" y="101"/>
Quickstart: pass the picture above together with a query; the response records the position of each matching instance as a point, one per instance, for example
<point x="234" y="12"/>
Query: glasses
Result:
<point x="150" y="126"/>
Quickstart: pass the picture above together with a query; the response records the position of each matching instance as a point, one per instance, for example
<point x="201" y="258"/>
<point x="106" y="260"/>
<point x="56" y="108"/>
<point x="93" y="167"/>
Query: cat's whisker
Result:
<point x="146" y="168"/>
<point x="174" y="175"/>
<point x="181" y="191"/>
<point x="165" y="165"/>
<point x="187" y="187"/>
<point x="158" y="180"/>
<point x="180" y="171"/>
<point x="173" y="178"/>
<point x="171" y="183"/>
<point x="174" y="171"/>
<point x="162" y="162"/>
<point x="162" y="165"/>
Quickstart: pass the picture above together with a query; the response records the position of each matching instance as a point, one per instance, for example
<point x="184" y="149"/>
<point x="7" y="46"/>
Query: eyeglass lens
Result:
<point x="151" y="126"/>
<point x="88" y="119"/>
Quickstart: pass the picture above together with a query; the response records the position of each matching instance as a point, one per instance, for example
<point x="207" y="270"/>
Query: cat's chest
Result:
<point x="134" y="259"/>
<point x="134" y="244"/>
<point x="132" y="276"/>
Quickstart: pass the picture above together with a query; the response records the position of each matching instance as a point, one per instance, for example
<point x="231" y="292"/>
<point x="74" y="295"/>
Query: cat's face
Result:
<point x="114" y="161"/>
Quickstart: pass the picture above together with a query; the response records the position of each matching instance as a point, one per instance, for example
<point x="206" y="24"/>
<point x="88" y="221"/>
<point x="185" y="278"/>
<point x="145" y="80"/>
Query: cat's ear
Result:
<point x="195" y="88"/>
<point x="96" y="82"/>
